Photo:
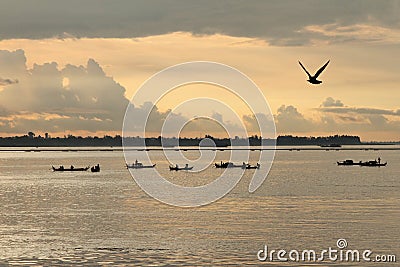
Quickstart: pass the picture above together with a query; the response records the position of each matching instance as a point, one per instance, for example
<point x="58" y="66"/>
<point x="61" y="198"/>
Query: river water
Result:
<point x="105" y="219"/>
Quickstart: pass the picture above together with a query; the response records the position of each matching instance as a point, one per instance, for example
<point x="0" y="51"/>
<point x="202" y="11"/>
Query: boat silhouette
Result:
<point x="71" y="169"/>
<point x="139" y="165"/>
<point x="95" y="168"/>
<point x="177" y="168"/>
<point x="224" y="165"/>
<point x="370" y="163"/>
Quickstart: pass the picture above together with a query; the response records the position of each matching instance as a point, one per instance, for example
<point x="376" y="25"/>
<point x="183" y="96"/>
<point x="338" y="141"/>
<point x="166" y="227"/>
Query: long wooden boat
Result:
<point x="348" y="162"/>
<point x="248" y="166"/>
<point x="373" y="163"/>
<point x="224" y="165"/>
<point x="177" y="168"/>
<point x="139" y="165"/>
<point x="62" y="169"/>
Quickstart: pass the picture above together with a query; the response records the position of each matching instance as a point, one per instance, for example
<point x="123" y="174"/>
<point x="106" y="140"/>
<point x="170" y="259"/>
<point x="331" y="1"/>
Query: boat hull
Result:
<point x="140" y="167"/>
<point x="226" y="165"/>
<point x="70" y="170"/>
<point x="180" y="169"/>
<point x="341" y="163"/>
<point x="368" y="164"/>
<point x="251" y="167"/>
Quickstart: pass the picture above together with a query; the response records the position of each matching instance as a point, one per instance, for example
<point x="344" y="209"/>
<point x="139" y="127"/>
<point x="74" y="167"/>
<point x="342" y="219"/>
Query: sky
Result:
<point x="71" y="67"/>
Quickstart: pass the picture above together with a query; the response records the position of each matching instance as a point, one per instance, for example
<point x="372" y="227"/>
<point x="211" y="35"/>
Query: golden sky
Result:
<point x="359" y="94"/>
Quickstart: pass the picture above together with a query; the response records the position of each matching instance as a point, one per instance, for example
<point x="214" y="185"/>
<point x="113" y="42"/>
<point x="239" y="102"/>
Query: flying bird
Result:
<point x="313" y="79"/>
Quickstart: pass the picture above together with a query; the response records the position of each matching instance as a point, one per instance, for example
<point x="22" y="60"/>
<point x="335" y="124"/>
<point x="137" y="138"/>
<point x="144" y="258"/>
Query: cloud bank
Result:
<point x="83" y="99"/>
<point x="281" y="22"/>
<point x="50" y="99"/>
<point x="335" y="117"/>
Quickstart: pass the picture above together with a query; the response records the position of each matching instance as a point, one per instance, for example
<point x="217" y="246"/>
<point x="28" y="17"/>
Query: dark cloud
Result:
<point x="333" y="106"/>
<point x="365" y="111"/>
<point x="281" y="22"/>
<point x="7" y="81"/>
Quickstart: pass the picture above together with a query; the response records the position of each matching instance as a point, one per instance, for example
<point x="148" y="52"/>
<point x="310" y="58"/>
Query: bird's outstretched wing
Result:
<point x="321" y="69"/>
<point x="309" y="75"/>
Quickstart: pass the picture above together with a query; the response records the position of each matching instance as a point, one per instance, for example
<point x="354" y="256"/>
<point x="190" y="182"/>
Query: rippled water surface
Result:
<point x="96" y="219"/>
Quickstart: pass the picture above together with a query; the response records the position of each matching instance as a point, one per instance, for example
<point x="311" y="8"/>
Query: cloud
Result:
<point x="336" y="33"/>
<point x="363" y="111"/>
<point x="83" y="98"/>
<point x="330" y="102"/>
<point x="282" y="22"/>
<point x="289" y="119"/>
<point x="334" y="117"/>
<point x="168" y="123"/>
<point x="4" y="82"/>
<point x="367" y="121"/>
<point x="253" y="122"/>
<point x="41" y="101"/>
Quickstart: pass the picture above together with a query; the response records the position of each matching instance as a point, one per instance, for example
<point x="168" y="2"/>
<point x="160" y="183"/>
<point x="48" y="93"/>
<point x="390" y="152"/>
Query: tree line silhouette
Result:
<point x="31" y="140"/>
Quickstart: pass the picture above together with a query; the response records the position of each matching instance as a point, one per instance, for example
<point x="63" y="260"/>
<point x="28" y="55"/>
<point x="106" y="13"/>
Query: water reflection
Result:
<point x="104" y="218"/>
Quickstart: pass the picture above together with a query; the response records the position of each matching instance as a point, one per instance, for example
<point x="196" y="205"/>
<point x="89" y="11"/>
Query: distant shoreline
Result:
<point x="120" y="149"/>
<point x="330" y="142"/>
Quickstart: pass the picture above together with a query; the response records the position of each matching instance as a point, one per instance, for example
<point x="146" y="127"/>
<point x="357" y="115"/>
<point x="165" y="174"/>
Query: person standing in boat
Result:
<point x="379" y="160"/>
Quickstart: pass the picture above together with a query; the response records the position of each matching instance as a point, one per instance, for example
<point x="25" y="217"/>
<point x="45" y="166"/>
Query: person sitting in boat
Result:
<point x="258" y="165"/>
<point x="61" y="167"/>
<point x="176" y="166"/>
<point x="186" y="166"/>
<point x="72" y="167"/>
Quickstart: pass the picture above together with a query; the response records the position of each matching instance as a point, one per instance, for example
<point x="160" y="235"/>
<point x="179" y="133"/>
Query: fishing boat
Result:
<point x="139" y="165"/>
<point x="71" y="169"/>
<point x="95" y="168"/>
<point x="373" y="163"/>
<point x="348" y="162"/>
<point x="177" y="168"/>
<point x="370" y="163"/>
<point x="224" y="165"/>
<point x="248" y="166"/>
